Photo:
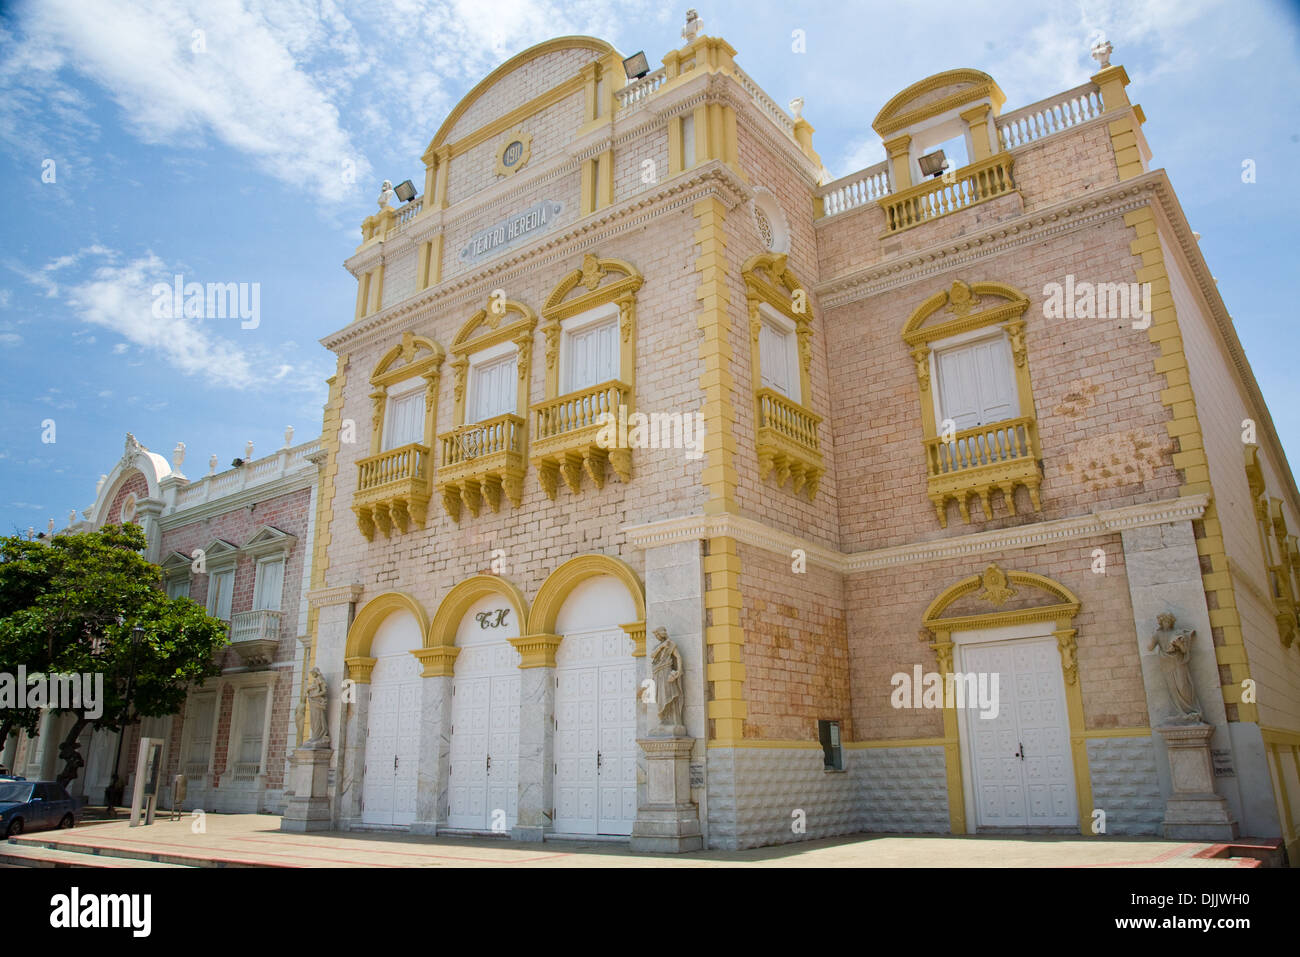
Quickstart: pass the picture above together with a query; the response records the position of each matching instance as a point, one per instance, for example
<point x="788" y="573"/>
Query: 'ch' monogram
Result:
<point x="486" y="619"/>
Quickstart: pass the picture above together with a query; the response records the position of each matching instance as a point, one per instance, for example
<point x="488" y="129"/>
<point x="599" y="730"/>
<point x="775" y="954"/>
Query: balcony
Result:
<point x="787" y="442"/>
<point x="565" y="437"/>
<point x="255" y="635"/>
<point x="974" y="184"/>
<point x="392" y="490"/>
<point x="479" y="461"/>
<point x="977" y="461"/>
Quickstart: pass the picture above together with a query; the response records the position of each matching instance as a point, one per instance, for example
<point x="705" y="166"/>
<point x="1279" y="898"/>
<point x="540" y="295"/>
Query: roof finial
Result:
<point x="693" y="25"/>
<point x="1101" y="51"/>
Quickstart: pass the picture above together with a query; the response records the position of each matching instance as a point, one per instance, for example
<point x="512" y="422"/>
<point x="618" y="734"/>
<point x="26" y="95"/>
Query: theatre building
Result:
<point x="236" y="541"/>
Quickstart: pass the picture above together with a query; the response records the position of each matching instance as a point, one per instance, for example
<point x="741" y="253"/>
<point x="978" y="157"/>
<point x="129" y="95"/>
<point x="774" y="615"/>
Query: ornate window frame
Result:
<point x="1281" y="562"/>
<point x="393" y="484"/>
<point x="564" y="426"/>
<point x="969" y="311"/>
<point x="496" y="460"/>
<point x="786" y="430"/>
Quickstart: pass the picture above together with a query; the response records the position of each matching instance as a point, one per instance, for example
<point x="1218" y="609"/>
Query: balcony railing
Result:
<point x="979" y="461"/>
<point x="392" y="490"/>
<point x="980" y="181"/>
<point x="787" y="442"/>
<point x="858" y="189"/>
<point x="479" y="461"/>
<point x="640" y="90"/>
<point x="1056" y="113"/>
<point x="566" y="433"/>
<point x="255" y="635"/>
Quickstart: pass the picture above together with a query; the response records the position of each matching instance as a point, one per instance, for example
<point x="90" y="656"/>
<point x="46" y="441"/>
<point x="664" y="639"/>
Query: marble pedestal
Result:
<point x="1194" y="812"/>
<point x="669" y="821"/>
<point x="309" y="808"/>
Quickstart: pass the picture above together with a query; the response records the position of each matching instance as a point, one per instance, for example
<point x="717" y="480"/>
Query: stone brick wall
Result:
<point x="133" y="483"/>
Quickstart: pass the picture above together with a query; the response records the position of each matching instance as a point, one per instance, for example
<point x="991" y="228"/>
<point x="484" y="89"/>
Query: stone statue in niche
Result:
<point x="1174" y="646"/>
<point x="318" y="711"/>
<point x="667" y="666"/>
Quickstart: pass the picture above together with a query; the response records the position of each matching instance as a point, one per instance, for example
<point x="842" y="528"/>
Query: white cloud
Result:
<point x="10" y="339"/>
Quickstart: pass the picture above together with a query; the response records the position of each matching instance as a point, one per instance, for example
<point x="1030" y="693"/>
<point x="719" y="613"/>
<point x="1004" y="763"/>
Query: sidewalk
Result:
<point x="254" y="840"/>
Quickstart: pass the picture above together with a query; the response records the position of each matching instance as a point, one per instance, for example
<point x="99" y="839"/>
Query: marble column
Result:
<point x="431" y="796"/>
<point x="536" y="736"/>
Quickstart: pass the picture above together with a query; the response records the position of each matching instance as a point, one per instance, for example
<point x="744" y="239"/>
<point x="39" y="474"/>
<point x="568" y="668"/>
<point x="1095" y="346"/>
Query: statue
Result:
<point x="212" y="464"/>
<point x="318" y="709"/>
<point x="693" y="25"/>
<point x="1174" y="648"/>
<point x="385" y="195"/>
<point x="667" y="666"/>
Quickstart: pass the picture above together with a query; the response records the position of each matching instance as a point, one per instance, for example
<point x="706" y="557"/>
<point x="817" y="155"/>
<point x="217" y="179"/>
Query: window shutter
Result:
<point x="200" y="735"/>
<point x="270" y="585"/>
<point x="250" y="744"/>
<point x="219" y="590"/>
<point x="404" y="420"/>
<point x="774" y="359"/>
<point x="494" y="388"/>
<point x="592" y="356"/>
<point x="976" y="385"/>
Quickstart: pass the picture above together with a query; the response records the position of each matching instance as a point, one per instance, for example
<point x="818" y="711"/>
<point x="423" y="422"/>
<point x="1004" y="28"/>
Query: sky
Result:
<point x="232" y="141"/>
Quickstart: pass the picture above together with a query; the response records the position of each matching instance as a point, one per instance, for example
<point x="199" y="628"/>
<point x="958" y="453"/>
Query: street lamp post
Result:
<point x="113" y="794"/>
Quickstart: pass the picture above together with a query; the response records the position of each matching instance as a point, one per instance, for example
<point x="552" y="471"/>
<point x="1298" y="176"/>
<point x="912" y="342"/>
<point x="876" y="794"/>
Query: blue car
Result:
<point x="34" y="806"/>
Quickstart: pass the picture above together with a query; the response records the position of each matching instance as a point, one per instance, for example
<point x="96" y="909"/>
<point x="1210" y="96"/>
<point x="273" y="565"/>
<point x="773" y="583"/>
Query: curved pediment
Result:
<point x="997" y="596"/>
<point x="413" y="356"/>
<point x="961" y="307"/>
<point x="503" y="76"/>
<point x="934" y="95"/>
<point x="600" y="279"/>
<point x="493" y="323"/>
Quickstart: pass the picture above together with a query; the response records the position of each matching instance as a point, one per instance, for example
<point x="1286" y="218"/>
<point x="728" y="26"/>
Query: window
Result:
<point x="220" y="591"/>
<point x="493" y="388"/>
<point x="198" y="729"/>
<point x="976" y="384"/>
<point x="248" y="763"/>
<point x="778" y="359"/>
<point x="270" y="585"/>
<point x="404" y="419"/>
<point x="828" y="732"/>
<point x="178" y="588"/>
<point x="590" y="354"/>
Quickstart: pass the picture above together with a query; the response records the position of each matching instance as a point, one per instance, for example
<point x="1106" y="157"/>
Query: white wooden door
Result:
<point x="484" y="778"/>
<point x="392" y="741"/>
<point x="1021" y="774"/>
<point x="595" y="734"/>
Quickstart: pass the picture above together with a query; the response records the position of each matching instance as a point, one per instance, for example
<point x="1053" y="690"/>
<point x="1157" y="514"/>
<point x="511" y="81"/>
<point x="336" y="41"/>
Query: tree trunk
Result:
<point x="70" y="752"/>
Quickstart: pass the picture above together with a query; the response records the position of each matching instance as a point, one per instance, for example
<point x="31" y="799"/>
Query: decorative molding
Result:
<point x="1102" y="522"/>
<point x="337" y="595"/>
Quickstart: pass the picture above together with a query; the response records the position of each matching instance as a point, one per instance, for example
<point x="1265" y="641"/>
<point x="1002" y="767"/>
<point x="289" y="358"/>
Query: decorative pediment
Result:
<point x="493" y="324"/>
<point x="963" y="307"/>
<point x="413" y="356"/>
<point x="598" y="281"/>
<point x="935" y="95"/>
<point x="269" y="540"/>
<point x="768" y="275"/>
<point x="220" y="553"/>
<point x="176" y="565"/>
<point x="1000" y="597"/>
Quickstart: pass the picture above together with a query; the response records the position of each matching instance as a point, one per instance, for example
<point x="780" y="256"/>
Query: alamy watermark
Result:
<point x="1102" y="300"/>
<point x="73" y="692"/>
<point x="656" y="430"/>
<point x="215" y="300"/>
<point x="978" y="690"/>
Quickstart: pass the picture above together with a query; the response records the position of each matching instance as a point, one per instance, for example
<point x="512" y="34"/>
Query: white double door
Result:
<point x="392" y="741"/>
<point x="483" y="787"/>
<point x="1022" y="775"/>
<point x="595" y="734"/>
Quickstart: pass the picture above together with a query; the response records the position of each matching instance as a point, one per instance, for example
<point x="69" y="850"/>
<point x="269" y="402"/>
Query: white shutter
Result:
<point x="494" y="388"/>
<point x="774" y="358"/>
<point x="976" y="385"/>
<point x="592" y="356"/>
<point x="959" y="397"/>
<point x="270" y="585"/>
<point x="404" y="420"/>
<point x="200" y="745"/>
<point x="254" y="717"/>
<point x="219" y="594"/>
<point x="998" y="400"/>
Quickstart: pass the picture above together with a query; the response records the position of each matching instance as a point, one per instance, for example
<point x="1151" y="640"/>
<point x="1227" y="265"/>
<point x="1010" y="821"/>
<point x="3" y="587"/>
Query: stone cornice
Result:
<point x="712" y="179"/>
<point x="1009" y="234"/>
<point x="294" y="481"/>
<point x="337" y="595"/>
<point x="751" y="532"/>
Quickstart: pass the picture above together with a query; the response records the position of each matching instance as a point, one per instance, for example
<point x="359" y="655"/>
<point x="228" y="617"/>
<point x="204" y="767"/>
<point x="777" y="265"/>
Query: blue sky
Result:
<point x="251" y="151"/>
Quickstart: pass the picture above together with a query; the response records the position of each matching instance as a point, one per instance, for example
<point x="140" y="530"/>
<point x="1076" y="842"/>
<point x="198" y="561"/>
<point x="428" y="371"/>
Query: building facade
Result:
<point x="237" y="542"/>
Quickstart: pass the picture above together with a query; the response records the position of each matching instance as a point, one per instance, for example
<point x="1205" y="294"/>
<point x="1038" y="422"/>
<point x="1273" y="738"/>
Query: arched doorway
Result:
<point x="586" y="602"/>
<point x="483" y="779"/>
<point x="386" y="632"/>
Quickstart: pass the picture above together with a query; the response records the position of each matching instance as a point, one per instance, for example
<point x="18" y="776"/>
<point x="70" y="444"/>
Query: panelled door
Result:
<point x="595" y="734"/>
<point x="392" y="741"/>
<point x="484" y="779"/>
<point x="1022" y="774"/>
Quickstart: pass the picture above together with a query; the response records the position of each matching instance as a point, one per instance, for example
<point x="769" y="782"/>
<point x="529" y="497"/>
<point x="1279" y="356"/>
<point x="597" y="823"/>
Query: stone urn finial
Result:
<point x="288" y="436"/>
<point x="796" y="108"/>
<point x="248" y="451"/>
<point x="178" y="455"/>
<point x="212" y="464"/>
<point x="1101" y="51"/>
<point x="693" y="25"/>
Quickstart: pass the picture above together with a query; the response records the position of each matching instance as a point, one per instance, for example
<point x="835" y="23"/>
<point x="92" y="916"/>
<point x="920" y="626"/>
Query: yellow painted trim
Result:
<point x="898" y="743"/>
<point x="525" y="140"/>
<point x="372" y="615"/>
<point x="1280" y="736"/>
<point x="1067" y="604"/>
<point x="514" y="63"/>
<point x="1185" y="426"/>
<point x="551" y="596"/>
<point x="536" y="651"/>
<point x="893" y="116"/>
<point x="1117" y="733"/>
<point x="462" y="596"/>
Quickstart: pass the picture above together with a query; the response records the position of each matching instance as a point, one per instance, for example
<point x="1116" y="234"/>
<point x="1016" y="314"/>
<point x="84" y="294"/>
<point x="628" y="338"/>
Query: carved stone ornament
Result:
<point x="318" y="711"/>
<point x="408" y="346"/>
<point x="666" y="663"/>
<point x="592" y="273"/>
<point x="961" y="300"/>
<point x="997" y="589"/>
<point x="1174" y="646"/>
<point x="922" y="359"/>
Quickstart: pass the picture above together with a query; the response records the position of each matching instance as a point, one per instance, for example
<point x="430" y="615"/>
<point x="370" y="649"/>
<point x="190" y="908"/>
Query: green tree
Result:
<point x="71" y="606"/>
